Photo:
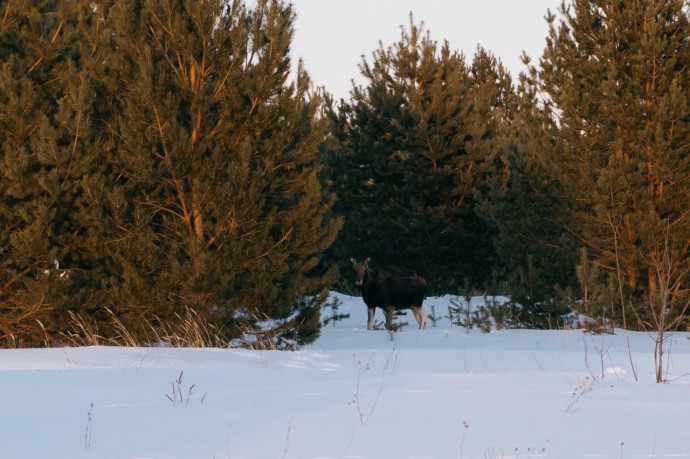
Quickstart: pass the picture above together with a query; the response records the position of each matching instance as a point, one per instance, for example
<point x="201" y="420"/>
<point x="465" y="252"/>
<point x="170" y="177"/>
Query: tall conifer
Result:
<point x="408" y="153"/>
<point x="157" y="162"/>
<point x="615" y="73"/>
<point x="216" y="152"/>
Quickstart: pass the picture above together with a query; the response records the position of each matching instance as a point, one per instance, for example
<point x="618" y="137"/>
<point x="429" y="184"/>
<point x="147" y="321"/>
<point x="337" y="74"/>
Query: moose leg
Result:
<point x="388" y="312"/>
<point x="420" y="316"/>
<point x="370" y="318"/>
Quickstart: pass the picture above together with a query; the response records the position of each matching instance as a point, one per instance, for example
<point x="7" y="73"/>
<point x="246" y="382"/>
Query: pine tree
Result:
<point x="616" y="75"/>
<point x="217" y="156"/>
<point x="157" y="164"/>
<point x="407" y="154"/>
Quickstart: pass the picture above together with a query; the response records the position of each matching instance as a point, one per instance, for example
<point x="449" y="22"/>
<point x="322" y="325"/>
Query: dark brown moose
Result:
<point x="388" y="292"/>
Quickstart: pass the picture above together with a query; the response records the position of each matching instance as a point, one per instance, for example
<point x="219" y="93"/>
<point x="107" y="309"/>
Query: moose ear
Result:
<point x="366" y="262"/>
<point x="353" y="261"/>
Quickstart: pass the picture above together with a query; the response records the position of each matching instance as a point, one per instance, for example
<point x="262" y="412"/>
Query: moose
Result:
<point x="388" y="292"/>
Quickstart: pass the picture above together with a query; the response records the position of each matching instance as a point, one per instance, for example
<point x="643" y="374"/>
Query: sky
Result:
<point x="332" y="35"/>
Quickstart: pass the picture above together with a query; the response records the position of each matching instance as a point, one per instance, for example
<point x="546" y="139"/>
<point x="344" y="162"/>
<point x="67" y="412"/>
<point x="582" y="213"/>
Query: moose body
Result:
<point x="388" y="292"/>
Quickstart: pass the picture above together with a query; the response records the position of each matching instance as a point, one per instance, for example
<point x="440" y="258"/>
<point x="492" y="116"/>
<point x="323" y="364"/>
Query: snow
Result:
<point x="435" y="393"/>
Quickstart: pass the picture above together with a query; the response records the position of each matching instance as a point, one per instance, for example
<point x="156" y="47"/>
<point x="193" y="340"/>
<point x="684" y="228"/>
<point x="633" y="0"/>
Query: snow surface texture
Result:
<point x="434" y="393"/>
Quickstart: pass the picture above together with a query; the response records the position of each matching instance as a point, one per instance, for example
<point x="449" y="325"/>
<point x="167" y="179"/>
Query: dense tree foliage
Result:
<point x="615" y="77"/>
<point x="523" y="203"/>
<point x="159" y="153"/>
<point x="48" y="115"/>
<point x="407" y="155"/>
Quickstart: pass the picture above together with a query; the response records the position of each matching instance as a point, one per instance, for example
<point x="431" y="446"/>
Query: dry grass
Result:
<point x="188" y="330"/>
<point x="21" y="323"/>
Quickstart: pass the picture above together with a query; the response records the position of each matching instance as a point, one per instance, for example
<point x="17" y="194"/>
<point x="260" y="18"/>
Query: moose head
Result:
<point x="361" y="269"/>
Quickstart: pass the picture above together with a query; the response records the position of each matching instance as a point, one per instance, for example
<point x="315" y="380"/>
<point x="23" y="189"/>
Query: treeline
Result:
<point x="568" y="190"/>
<point x="161" y="166"/>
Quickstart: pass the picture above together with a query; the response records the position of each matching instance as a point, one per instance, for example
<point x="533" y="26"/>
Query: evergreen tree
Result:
<point x="216" y="154"/>
<point x="408" y="152"/>
<point x="615" y="75"/>
<point x="157" y="152"/>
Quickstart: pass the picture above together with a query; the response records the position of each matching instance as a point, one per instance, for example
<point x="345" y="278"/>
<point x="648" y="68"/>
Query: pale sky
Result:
<point x="332" y="35"/>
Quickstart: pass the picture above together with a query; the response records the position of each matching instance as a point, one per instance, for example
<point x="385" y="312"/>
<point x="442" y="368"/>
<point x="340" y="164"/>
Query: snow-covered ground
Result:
<point x="436" y="393"/>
